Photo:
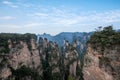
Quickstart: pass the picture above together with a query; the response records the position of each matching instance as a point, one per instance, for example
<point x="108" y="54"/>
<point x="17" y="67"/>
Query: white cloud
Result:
<point x="96" y="18"/>
<point x="33" y="24"/>
<point x="106" y="17"/>
<point x="22" y="26"/>
<point x="17" y="4"/>
<point x="65" y="22"/>
<point x="66" y="17"/>
<point x="33" y="27"/>
<point x="6" y="18"/>
<point x="27" y="5"/>
<point x="9" y="26"/>
<point x="38" y="14"/>
<point x="8" y="3"/>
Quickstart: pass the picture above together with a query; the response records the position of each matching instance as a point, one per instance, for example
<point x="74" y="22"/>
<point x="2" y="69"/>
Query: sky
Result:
<point x="55" y="16"/>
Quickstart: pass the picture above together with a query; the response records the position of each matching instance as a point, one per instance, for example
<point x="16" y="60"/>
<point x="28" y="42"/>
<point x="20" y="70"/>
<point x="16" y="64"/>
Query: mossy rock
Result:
<point x="71" y="78"/>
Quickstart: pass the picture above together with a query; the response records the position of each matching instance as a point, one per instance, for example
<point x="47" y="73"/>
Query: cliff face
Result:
<point x="50" y="59"/>
<point x="102" y="67"/>
<point x="102" y="60"/>
<point x="71" y="61"/>
<point x="92" y="70"/>
<point x="44" y="60"/>
<point x="18" y="56"/>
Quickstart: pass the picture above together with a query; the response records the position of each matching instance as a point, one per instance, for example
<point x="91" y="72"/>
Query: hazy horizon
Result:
<point x="53" y="17"/>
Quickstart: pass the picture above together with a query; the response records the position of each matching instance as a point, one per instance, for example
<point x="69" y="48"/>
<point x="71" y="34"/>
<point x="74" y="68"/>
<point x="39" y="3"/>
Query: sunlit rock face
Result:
<point x="104" y="66"/>
<point x="20" y="55"/>
<point x="71" y="59"/>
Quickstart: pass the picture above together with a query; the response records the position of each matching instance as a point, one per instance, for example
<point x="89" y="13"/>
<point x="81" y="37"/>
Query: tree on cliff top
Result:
<point x="105" y="38"/>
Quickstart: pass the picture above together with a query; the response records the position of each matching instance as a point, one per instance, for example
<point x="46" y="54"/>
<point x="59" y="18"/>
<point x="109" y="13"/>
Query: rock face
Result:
<point x="102" y="61"/>
<point x="24" y="57"/>
<point x="91" y="69"/>
<point x="28" y="59"/>
<point x="19" y="57"/>
<point x="106" y="66"/>
<point x="50" y="59"/>
<point x="71" y="60"/>
<point x="82" y="37"/>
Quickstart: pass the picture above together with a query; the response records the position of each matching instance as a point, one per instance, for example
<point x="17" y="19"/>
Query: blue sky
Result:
<point x="55" y="16"/>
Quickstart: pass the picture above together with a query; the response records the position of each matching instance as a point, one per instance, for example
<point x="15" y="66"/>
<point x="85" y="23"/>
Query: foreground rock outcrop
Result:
<point x="92" y="70"/>
<point x="102" y="60"/>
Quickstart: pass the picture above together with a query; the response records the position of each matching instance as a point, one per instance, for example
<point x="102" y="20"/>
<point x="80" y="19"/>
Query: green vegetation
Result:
<point x="24" y="72"/>
<point x="104" y="38"/>
<point x="47" y="70"/>
<point x="56" y="76"/>
<point x="79" y="70"/>
<point x="104" y="60"/>
<point x="70" y="78"/>
<point x="15" y="39"/>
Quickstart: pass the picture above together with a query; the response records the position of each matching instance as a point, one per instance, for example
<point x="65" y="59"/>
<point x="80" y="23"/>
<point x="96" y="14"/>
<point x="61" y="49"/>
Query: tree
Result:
<point x="104" y="38"/>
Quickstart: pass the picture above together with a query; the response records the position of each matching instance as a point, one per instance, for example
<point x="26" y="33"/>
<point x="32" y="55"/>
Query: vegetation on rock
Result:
<point x="104" y="38"/>
<point x="15" y="39"/>
<point x="103" y="53"/>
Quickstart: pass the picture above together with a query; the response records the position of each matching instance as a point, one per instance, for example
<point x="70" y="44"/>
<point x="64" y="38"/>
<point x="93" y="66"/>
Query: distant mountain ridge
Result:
<point x="69" y="36"/>
<point x="79" y="38"/>
<point x="59" y="38"/>
<point x="118" y="30"/>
